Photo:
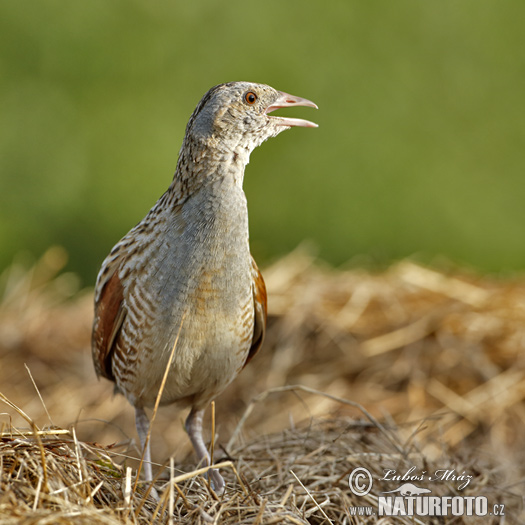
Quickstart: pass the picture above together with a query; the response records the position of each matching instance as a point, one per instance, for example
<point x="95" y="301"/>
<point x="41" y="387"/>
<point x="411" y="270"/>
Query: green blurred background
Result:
<point x="420" y="148"/>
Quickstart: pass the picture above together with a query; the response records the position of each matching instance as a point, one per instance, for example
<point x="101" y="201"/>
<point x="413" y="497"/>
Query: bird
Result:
<point x="185" y="273"/>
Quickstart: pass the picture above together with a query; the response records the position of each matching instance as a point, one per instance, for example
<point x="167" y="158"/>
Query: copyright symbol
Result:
<point x="360" y="481"/>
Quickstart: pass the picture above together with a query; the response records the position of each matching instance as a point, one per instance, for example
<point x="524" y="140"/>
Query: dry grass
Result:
<point x="433" y="364"/>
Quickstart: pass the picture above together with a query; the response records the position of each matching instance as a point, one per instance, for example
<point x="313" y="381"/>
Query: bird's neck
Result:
<point x="204" y="164"/>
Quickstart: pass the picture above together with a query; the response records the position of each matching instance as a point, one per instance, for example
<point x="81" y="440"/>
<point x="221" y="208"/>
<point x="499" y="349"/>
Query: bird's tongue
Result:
<point x="286" y="100"/>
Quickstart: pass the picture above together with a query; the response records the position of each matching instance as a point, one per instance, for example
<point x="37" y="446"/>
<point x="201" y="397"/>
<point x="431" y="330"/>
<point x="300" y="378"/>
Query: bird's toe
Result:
<point x="217" y="481"/>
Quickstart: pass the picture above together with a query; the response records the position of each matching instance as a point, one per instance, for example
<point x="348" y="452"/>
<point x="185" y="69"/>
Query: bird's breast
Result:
<point x="201" y="279"/>
<point x="210" y="258"/>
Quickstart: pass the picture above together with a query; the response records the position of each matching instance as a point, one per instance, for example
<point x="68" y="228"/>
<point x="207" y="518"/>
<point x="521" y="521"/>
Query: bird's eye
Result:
<point x="250" y="98"/>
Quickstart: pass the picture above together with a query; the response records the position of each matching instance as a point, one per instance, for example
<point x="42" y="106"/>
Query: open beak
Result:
<point x="286" y="101"/>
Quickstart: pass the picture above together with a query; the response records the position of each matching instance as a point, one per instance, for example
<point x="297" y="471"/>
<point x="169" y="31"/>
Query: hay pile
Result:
<point x="438" y="359"/>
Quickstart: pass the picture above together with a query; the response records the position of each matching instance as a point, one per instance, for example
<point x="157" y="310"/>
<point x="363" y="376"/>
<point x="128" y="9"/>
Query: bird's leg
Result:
<point x="194" y="430"/>
<point x="142" y="422"/>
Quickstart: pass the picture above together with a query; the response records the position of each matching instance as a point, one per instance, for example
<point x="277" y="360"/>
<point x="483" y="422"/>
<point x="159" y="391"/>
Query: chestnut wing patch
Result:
<point x="261" y="308"/>
<point x="110" y="312"/>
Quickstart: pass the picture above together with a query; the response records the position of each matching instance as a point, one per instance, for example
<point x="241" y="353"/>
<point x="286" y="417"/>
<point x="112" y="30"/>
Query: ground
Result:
<point x="411" y="370"/>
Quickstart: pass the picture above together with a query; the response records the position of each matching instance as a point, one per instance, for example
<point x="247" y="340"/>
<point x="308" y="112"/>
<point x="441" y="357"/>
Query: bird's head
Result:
<point x="236" y="116"/>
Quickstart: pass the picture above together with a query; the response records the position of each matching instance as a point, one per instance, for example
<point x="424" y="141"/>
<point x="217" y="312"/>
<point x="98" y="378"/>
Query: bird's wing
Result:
<point x="110" y="311"/>
<point x="112" y="295"/>
<point x="260" y="306"/>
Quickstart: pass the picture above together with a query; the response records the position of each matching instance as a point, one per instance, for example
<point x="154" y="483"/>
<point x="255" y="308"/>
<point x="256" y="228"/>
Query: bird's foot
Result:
<point x="154" y="494"/>
<point x="217" y="481"/>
